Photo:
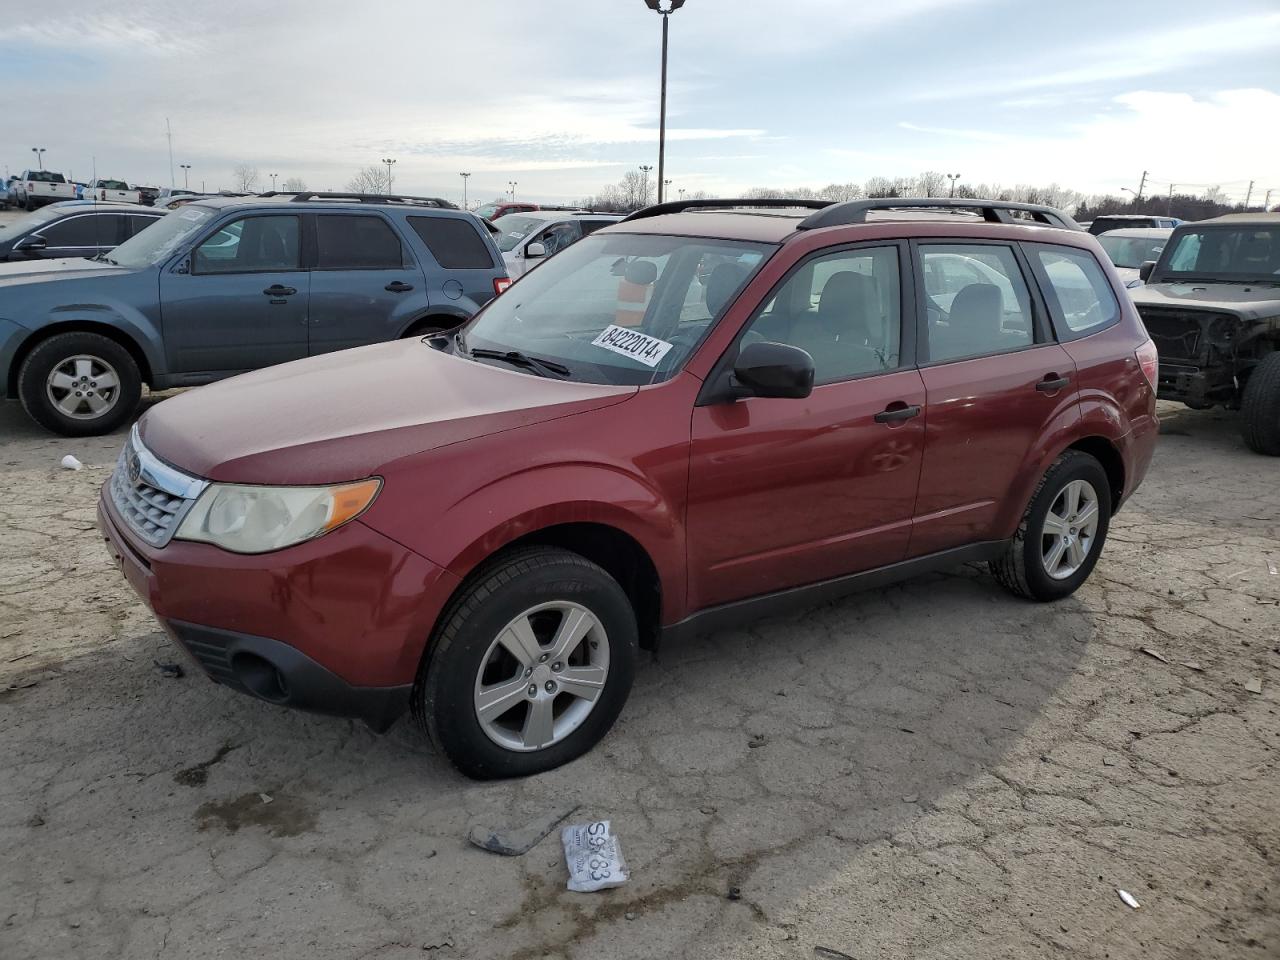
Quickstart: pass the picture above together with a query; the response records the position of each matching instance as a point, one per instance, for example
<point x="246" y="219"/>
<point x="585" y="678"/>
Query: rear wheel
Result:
<point x="531" y="667"/>
<point x="1260" y="407"/>
<point x="1062" y="531"/>
<point x="79" y="384"/>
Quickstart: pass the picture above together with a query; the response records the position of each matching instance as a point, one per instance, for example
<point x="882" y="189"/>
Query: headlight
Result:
<point x="258" y="519"/>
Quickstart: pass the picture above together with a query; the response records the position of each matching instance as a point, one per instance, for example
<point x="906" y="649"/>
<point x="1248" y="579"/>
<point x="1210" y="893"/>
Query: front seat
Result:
<point x="721" y="286"/>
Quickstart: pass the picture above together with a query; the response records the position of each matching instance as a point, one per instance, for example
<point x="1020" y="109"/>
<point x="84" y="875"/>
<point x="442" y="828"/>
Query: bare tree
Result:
<point x="841" y="191"/>
<point x="245" y="177"/>
<point x="368" y="180"/>
<point x="930" y="183"/>
<point x="882" y="187"/>
<point x="294" y="185"/>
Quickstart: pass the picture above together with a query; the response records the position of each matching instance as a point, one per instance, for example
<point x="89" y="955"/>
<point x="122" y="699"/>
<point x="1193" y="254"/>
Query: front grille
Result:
<point x="150" y="496"/>
<point x="1178" y="334"/>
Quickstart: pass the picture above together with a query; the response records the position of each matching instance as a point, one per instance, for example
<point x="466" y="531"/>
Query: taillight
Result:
<point x="1149" y="360"/>
<point x="500" y="284"/>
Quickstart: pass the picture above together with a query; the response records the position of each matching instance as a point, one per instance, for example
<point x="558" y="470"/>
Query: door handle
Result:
<point x="1052" y="383"/>
<point x="398" y="286"/>
<point x="279" y="290"/>
<point x="897" y="411"/>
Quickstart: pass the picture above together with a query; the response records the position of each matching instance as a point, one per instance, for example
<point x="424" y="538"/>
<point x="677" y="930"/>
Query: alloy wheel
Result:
<point x="541" y="676"/>
<point x="1070" y="529"/>
<point x="83" y="387"/>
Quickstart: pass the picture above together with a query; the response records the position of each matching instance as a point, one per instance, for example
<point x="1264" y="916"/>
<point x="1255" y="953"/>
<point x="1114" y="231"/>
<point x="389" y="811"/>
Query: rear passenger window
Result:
<point x="455" y="242"/>
<point x="353" y="242"/>
<point x="844" y="309"/>
<point x="1079" y="294"/>
<point x="976" y="300"/>
<point x="91" y="230"/>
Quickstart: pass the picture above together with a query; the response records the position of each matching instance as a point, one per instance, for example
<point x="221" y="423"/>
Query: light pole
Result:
<point x="512" y="185"/>
<point x="464" y="177"/>
<point x="273" y="181"/>
<point x="388" y="162"/>
<point x="39" y="152"/>
<point x="953" y="177"/>
<point x="644" y="195"/>
<point x="666" y="187"/>
<point x="665" y="8"/>
<point x="185" y="167"/>
<point x="682" y="193"/>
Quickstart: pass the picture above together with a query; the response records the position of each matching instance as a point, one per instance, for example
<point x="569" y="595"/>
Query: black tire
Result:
<point x="1260" y="407"/>
<point x="511" y="583"/>
<point x="49" y="354"/>
<point x="1021" y="570"/>
<point x="30" y="205"/>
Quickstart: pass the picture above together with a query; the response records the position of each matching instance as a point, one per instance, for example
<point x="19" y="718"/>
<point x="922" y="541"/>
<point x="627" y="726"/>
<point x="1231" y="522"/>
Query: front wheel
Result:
<point x="1260" y="407"/>
<point x="1062" y="531"/>
<point x="531" y="666"/>
<point x="79" y="384"/>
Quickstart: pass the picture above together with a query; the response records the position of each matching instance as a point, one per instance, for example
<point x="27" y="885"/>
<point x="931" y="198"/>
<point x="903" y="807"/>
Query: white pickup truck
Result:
<point x="116" y="190"/>
<point x="35" y="188"/>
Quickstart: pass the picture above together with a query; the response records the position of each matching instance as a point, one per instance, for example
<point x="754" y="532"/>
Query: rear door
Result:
<point x="995" y="385"/>
<point x="365" y="287"/>
<point x="239" y="302"/>
<point x="786" y="492"/>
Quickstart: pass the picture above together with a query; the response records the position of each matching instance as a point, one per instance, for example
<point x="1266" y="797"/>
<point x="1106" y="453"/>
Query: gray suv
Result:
<point x="225" y="285"/>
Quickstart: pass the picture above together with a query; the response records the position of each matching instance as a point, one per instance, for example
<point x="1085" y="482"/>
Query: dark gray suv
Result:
<point x="222" y="286"/>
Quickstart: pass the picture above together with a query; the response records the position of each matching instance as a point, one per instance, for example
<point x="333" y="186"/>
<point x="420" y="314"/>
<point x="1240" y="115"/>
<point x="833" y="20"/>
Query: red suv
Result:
<point x="706" y="412"/>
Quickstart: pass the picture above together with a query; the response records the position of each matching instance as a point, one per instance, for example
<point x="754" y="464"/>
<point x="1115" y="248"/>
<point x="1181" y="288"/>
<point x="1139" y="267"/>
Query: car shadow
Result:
<point x="848" y="721"/>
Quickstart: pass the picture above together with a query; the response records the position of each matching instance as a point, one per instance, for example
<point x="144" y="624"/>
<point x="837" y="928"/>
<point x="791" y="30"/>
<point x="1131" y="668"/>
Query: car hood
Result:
<point x="1249" y="301"/>
<point x="344" y="415"/>
<point x="41" y="271"/>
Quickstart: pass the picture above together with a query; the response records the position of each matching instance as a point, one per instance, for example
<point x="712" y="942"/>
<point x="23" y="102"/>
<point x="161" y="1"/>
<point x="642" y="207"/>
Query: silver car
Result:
<point x="1131" y="247"/>
<point x="526" y="239"/>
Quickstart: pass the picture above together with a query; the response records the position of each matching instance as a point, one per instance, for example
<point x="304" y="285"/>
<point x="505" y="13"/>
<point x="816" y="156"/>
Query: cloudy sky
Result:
<point x="562" y="95"/>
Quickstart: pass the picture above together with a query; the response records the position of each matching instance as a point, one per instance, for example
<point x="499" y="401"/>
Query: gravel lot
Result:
<point x="935" y="770"/>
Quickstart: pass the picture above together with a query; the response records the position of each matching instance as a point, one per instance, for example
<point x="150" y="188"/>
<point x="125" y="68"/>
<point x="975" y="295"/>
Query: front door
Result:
<point x="364" y="286"/>
<point x="243" y="302"/>
<point x="790" y="492"/>
<point x="995" y="385"/>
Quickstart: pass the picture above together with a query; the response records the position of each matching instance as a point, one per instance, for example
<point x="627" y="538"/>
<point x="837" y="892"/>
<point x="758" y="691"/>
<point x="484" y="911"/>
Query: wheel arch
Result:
<point x="440" y="318"/>
<point x="40" y="334"/>
<point x="1106" y="453"/>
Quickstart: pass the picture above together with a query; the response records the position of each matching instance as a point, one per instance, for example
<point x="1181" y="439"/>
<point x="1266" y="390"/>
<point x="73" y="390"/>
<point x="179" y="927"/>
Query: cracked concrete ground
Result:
<point x="935" y="770"/>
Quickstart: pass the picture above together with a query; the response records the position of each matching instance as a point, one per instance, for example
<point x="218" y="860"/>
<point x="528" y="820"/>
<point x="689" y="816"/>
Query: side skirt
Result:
<point x="814" y="594"/>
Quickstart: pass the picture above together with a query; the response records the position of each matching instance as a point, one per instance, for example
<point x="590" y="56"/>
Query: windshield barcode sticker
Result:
<point x="631" y="343"/>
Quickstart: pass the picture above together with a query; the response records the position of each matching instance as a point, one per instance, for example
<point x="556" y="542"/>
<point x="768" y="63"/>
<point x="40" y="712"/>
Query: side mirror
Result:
<point x="1144" y="271"/>
<point x="31" y="245"/>
<point x="535" y="249"/>
<point x="774" y="370"/>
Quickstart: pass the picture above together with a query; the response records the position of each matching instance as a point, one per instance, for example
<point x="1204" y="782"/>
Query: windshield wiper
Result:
<point x="518" y="359"/>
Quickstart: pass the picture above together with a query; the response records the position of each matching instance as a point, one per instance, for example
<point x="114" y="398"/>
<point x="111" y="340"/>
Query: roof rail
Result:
<point x="304" y="195"/>
<point x="993" y="211"/>
<point x="678" y="206"/>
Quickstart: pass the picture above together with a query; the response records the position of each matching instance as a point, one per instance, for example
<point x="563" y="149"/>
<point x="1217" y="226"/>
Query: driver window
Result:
<point x="250" y="245"/>
<point x="844" y="309"/>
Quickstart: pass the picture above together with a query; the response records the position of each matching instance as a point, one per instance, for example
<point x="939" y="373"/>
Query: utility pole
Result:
<point x="1169" y="209"/>
<point x="953" y="177"/>
<point x="464" y="177"/>
<point x="1248" y="196"/>
<point x="168" y="132"/>
<point x="388" y="163"/>
<point x="1266" y="202"/>
<point x="671" y="6"/>
<point x="644" y="194"/>
<point x="1141" y="185"/>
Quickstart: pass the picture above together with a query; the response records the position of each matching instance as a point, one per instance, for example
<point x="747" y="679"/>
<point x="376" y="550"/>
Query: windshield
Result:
<point x="515" y="228"/>
<point x="622" y="309"/>
<point x="31" y="220"/>
<point x="487" y="211"/>
<point x="1223" y="253"/>
<point x="162" y="238"/>
<point x="1132" y="251"/>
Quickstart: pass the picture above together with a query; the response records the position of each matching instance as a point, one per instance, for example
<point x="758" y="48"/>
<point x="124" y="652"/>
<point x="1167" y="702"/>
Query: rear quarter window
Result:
<point x="1080" y="298"/>
<point x="454" y="242"/>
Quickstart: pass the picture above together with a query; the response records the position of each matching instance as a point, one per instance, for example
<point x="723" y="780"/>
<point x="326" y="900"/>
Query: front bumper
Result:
<point x="337" y="625"/>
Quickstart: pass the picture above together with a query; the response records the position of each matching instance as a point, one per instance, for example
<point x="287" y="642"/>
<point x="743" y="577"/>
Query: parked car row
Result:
<point x="692" y="417"/>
